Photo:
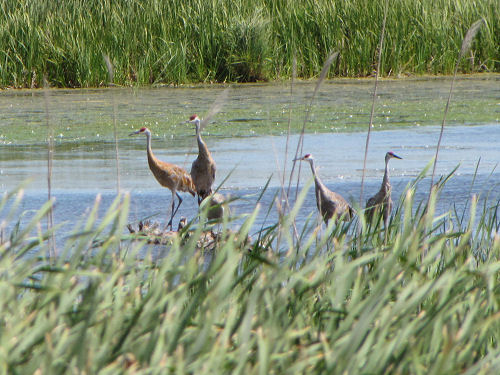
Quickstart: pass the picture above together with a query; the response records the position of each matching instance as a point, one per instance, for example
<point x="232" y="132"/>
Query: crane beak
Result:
<point x="134" y="133"/>
<point x="397" y="157"/>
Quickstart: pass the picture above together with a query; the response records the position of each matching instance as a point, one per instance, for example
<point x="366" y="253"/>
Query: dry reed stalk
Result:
<point x="284" y="202"/>
<point x="214" y="109"/>
<point x="466" y="44"/>
<point x="109" y="66"/>
<point x="370" y="124"/>
<point x="50" y="155"/>
<point x="283" y="194"/>
<point x="300" y="143"/>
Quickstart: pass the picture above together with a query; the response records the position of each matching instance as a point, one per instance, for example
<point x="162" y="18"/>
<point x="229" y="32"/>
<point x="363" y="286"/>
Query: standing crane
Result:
<point x="168" y="175"/>
<point x="382" y="200"/>
<point x="329" y="203"/>
<point x="203" y="168"/>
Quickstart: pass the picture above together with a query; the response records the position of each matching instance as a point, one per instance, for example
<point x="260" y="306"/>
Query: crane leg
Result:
<point x="172" y="210"/>
<point x="386" y="227"/>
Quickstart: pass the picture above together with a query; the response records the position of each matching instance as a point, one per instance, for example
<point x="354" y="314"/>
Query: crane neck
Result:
<point x="202" y="147"/>
<point x="385" y="181"/>
<point x="148" y="146"/>
<point x="317" y="180"/>
<point x="313" y="170"/>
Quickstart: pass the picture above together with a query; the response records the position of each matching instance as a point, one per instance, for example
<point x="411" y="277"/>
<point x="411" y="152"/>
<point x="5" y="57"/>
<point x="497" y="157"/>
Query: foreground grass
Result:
<point x="153" y="42"/>
<point x="423" y="298"/>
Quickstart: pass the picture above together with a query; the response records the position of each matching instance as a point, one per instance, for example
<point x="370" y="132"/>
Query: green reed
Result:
<point x="423" y="298"/>
<point x="157" y="42"/>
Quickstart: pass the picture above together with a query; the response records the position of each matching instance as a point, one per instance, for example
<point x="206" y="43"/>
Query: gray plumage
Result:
<point x="382" y="200"/>
<point x="329" y="203"/>
<point x="216" y="204"/>
<point x="203" y="168"/>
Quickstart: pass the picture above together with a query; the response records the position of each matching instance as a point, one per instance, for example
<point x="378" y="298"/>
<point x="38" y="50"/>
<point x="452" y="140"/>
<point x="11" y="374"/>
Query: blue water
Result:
<point x="248" y="163"/>
<point x="81" y="170"/>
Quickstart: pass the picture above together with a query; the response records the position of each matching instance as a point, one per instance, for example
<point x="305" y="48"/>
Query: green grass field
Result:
<point x="422" y="298"/>
<point x="175" y="42"/>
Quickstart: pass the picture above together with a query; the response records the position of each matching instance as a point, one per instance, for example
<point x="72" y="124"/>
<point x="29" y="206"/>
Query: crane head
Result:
<point x="194" y="119"/>
<point x="141" y="130"/>
<point x="306" y="157"/>
<point x="391" y="154"/>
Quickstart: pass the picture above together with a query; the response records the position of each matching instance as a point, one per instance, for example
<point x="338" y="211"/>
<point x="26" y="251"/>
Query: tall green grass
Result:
<point x="156" y="42"/>
<point x="424" y="300"/>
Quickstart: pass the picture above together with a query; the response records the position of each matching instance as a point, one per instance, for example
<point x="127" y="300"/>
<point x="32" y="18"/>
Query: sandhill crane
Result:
<point x="168" y="175"/>
<point x="329" y="203"/>
<point x="382" y="200"/>
<point x="216" y="206"/>
<point x="203" y="168"/>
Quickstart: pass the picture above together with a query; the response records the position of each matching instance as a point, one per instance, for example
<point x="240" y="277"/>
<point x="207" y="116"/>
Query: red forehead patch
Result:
<point x="143" y="129"/>
<point x="192" y="117"/>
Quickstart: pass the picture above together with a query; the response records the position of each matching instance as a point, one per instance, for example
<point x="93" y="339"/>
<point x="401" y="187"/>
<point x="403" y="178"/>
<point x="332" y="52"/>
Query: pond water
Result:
<point x="247" y="142"/>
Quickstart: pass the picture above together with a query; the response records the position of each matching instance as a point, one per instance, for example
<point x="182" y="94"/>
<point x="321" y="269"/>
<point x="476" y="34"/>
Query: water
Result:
<point x="84" y="164"/>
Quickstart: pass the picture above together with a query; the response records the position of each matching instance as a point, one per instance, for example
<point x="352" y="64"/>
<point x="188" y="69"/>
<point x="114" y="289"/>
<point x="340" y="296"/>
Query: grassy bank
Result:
<point x="155" y="42"/>
<point x="422" y="299"/>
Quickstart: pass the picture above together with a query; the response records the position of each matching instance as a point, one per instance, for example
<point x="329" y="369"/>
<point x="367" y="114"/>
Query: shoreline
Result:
<point x="297" y="81"/>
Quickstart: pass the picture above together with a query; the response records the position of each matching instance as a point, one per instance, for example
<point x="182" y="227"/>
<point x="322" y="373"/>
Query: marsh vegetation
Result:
<point x="424" y="297"/>
<point x="174" y="42"/>
<point x="418" y="292"/>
